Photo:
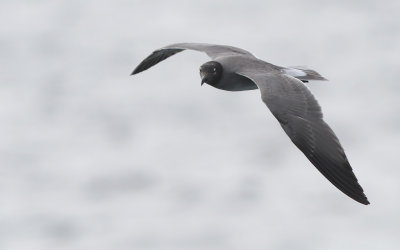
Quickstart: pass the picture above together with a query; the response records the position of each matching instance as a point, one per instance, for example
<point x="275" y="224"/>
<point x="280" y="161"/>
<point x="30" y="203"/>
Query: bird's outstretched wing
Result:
<point x="212" y="50"/>
<point x="300" y="116"/>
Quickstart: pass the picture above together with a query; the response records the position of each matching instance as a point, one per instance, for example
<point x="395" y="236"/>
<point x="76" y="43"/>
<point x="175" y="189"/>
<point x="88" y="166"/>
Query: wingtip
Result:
<point x="357" y="194"/>
<point x="362" y="198"/>
<point x="135" y="71"/>
<point x="366" y="201"/>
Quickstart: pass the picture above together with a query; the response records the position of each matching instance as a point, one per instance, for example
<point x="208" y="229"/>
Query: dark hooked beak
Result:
<point x="203" y="78"/>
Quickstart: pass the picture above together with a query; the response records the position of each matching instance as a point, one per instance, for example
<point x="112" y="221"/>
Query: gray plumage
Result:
<point x="285" y="94"/>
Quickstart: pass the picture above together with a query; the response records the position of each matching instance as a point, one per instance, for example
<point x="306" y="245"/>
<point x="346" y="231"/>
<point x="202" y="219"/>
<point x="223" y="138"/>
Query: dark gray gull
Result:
<point x="285" y="94"/>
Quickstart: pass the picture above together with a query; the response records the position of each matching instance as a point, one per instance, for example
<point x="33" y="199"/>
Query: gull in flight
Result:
<point x="287" y="97"/>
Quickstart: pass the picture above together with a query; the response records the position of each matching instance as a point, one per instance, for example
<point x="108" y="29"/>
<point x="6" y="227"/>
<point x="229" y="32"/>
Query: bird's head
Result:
<point x="210" y="73"/>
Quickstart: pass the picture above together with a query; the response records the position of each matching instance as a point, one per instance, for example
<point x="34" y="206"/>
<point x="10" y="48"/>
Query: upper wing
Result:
<point x="211" y="50"/>
<point x="300" y="116"/>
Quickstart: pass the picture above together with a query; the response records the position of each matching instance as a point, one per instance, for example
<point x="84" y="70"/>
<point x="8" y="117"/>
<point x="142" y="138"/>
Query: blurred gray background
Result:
<point x="92" y="158"/>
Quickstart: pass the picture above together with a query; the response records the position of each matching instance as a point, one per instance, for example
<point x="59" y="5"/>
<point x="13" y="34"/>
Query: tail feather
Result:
<point x="303" y="73"/>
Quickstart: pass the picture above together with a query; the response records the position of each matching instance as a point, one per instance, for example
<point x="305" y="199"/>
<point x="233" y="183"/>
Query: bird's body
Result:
<point x="231" y="80"/>
<point x="290" y="101"/>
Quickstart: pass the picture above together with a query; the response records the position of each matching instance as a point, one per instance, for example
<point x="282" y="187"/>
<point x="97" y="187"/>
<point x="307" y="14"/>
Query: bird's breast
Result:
<point x="231" y="81"/>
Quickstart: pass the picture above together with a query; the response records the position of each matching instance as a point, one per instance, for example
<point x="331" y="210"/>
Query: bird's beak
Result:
<point x="203" y="78"/>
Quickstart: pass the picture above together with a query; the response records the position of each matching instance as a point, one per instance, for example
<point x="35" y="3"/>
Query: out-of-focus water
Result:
<point x="92" y="158"/>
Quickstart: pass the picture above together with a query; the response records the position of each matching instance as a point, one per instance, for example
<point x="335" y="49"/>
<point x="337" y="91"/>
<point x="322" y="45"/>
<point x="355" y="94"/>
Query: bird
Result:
<point x="284" y="92"/>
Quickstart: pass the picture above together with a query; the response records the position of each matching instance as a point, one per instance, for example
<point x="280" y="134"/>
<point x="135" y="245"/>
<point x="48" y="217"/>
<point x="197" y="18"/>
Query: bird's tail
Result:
<point x="304" y="74"/>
